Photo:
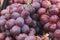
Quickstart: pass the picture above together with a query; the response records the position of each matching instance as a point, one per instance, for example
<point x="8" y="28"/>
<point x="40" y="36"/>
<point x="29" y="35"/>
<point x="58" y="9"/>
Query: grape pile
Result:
<point x="24" y="19"/>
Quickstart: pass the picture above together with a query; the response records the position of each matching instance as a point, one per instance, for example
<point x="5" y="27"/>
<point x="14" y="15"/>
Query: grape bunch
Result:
<point x="19" y="22"/>
<point x="49" y="14"/>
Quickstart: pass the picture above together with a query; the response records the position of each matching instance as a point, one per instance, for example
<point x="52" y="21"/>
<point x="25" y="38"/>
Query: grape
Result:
<point x="41" y="11"/>
<point x="44" y="19"/>
<point x="36" y="5"/>
<point x="51" y="35"/>
<point x="46" y="4"/>
<point x="2" y="36"/>
<point x="15" y="15"/>
<point x="2" y="22"/>
<point x="53" y="27"/>
<point x="5" y="11"/>
<point x="46" y="26"/>
<point x="15" y="30"/>
<point x="29" y="9"/>
<point x="10" y="23"/>
<point x="28" y="21"/>
<point x="13" y="9"/>
<point x="8" y="38"/>
<point x="7" y="16"/>
<point x="54" y="19"/>
<point x="58" y="24"/>
<point x="55" y="1"/>
<point x="30" y="38"/>
<point x="21" y="37"/>
<point x="34" y="23"/>
<point x="25" y="14"/>
<point x="2" y="17"/>
<point x="32" y="32"/>
<point x="58" y="5"/>
<point x="20" y="21"/>
<point x="57" y="33"/>
<point x="35" y="17"/>
<point x="25" y="29"/>
<point x="53" y="10"/>
<point x="20" y="9"/>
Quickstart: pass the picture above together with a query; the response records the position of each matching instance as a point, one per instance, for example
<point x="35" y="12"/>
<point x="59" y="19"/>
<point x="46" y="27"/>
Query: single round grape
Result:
<point x="25" y="29"/>
<point x="2" y="36"/>
<point x="21" y="37"/>
<point x="58" y="24"/>
<point x="15" y="30"/>
<point x="30" y="38"/>
<point x="57" y="33"/>
<point x="7" y="16"/>
<point x="15" y="15"/>
<point x="36" y="5"/>
<point x="25" y="14"/>
<point x="30" y="9"/>
<point x="46" y="4"/>
<point x="5" y="11"/>
<point x="41" y="11"/>
<point x="44" y="19"/>
<point x="53" y="10"/>
<point x="8" y="38"/>
<point x="2" y="22"/>
<point x="20" y="21"/>
<point x="46" y="26"/>
<point x="28" y="21"/>
<point x="32" y="32"/>
<point x="10" y="23"/>
<point x="53" y="18"/>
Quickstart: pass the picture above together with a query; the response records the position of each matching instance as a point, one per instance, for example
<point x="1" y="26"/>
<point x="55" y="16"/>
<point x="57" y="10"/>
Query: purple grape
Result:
<point x="25" y="29"/>
<point x="15" y="15"/>
<point x="15" y="30"/>
<point x="20" y="21"/>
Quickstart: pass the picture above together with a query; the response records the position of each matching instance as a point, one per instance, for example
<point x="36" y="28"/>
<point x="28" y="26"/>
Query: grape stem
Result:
<point x="28" y="3"/>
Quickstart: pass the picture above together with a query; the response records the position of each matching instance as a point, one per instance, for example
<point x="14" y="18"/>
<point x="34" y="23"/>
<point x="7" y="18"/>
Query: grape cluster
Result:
<point x="49" y="13"/>
<point x="19" y="22"/>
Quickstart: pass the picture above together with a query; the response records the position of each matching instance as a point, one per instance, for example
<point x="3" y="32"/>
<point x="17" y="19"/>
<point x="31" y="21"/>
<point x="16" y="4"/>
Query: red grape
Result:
<point x="44" y="19"/>
<point x="2" y="36"/>
<point x="53" y="18"/>
<point x="46" y="26"/>
<point x="46" y="4"/>
<point x="57" y="33"/>
<point x="53" y="10"/>
<point x="58" y="24"/>
<point x="53" y="27"/>
<point x="41" y="11"/>
<point x="8" y="38"/>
